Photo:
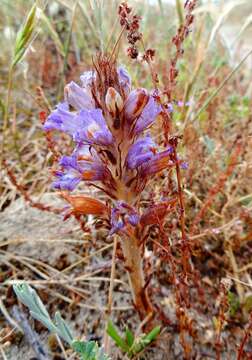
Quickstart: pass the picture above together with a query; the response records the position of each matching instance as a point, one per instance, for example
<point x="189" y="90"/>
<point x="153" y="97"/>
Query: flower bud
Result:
<point x="114" y="101"/>
<point x="124" y="80"/>
<point x="135" y="104"/>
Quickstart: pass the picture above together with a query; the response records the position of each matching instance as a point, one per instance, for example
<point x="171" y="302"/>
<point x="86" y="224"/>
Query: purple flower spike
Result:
<point x="78" y="97"/>
<point x="93" y="128"/>
<point x="140" y="152"/>
<point x="124" y="80"/>
<point x="148" y="116"/>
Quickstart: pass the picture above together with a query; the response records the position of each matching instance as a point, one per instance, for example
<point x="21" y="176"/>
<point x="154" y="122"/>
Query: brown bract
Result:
<point x="84" y="205"/>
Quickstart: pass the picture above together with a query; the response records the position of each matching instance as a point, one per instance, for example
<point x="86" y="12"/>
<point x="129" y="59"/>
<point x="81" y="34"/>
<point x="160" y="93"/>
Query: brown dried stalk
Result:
<point x="224" y="288"/>
<point x="178" y="40"/>
<point x="25" y="194"/>
<point x="247" y="333"/>
<point x="218" y="186"/>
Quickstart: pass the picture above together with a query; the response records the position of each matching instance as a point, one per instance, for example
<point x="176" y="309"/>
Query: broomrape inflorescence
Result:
<point x="108" y="122"/>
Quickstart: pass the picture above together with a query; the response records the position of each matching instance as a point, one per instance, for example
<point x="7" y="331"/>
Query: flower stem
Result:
<point x="134" y="264"/>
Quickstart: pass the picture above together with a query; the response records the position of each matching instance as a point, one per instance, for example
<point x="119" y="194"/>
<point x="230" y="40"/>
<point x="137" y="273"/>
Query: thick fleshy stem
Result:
<point x="132" y="252"/>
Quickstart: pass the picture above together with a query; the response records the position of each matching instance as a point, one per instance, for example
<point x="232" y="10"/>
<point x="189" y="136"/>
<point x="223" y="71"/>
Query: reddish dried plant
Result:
<point x="131" y="23"/>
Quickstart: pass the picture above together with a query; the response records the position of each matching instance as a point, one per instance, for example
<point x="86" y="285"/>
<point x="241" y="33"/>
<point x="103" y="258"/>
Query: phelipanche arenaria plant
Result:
<point x="109" y="122"/>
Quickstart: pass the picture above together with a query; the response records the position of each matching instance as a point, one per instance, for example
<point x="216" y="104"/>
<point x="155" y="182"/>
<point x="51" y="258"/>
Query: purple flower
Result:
<point x="117" y="223"/>
<point x="61" y="119"/>
<point x="124" y="80"/>
<point x="140" y="152"/>
<point x="122" y="215"/>
<point x="92" y="128"/>
<point x="76" y="170"/>
<point x="78" y="97"/>
<point x="86" y="152"/>
<point x="88" y="126"/>
<point x="66" y="181"/>
<point x="184" y="165"/>
<point x="148" y="116"/>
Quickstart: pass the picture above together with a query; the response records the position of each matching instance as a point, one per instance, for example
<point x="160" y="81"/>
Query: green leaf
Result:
<point x="112" y="332"/>
<point x="129" y="337"/>
<point x="89" y="350"/>
<point x="141" y="343"/>
<point x="86" y="349"/>
<point x="63" y="329"/>
<point x="45" y="321"/>
<point x="152" y="334"/>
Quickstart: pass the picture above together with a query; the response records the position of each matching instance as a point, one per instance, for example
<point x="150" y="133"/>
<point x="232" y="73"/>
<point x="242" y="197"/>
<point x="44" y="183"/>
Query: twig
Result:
<point x="61" y="347"/>
<point x="11" y="321"/>
<point x="3" y="353"/>
<point x="244" y="340"/>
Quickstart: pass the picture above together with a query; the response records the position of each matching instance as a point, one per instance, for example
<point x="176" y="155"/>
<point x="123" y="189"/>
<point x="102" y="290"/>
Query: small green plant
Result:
<point x="130" y="344"/>
<point x="87" y="350"/>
